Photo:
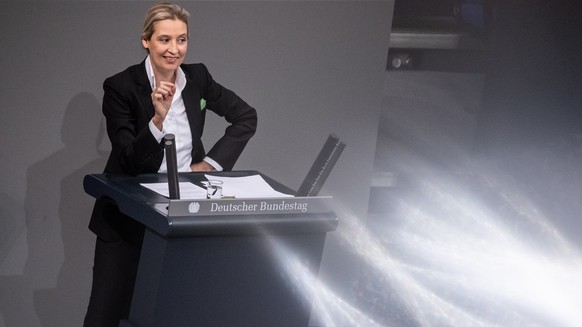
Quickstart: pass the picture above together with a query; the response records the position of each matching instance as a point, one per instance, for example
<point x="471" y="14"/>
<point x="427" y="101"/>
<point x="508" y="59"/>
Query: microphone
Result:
<point x="172" y="166"/>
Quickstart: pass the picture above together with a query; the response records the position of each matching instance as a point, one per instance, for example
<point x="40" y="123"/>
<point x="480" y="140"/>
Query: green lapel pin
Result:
<point x="202" y="103"/>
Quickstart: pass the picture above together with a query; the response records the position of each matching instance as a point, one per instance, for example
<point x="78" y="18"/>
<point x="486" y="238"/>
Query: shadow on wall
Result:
<point x="54" y="289"/>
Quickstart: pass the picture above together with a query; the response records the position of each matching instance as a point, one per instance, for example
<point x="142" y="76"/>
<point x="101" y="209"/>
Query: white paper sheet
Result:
<point x="187" y="190"/>
<point x="243" y="187"/>
<point x="247" y="187"/>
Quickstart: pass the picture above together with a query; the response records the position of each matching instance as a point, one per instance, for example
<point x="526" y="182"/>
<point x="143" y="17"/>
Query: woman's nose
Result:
<point x="173" y="47"/>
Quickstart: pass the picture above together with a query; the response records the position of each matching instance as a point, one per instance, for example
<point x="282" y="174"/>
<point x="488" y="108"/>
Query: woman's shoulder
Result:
<point x="131" y="74"/>
<point x="197" y="74"/>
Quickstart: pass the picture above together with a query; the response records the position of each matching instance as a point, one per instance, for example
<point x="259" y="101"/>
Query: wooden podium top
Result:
<point x="197" y="217"/>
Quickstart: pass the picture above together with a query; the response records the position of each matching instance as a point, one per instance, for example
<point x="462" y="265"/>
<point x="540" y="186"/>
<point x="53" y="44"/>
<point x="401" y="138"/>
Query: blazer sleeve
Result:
<point x="241" y="116"/>
<point x="134" y="150"/>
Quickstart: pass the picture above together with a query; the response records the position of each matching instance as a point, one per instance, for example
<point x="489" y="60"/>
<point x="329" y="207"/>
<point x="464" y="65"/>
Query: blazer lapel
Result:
<point x="144" y="90"/>
<point x="191" y="98"/>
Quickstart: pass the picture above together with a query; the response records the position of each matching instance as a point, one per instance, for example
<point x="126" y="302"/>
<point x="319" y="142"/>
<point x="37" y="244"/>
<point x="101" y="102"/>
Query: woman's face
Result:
<point x="168" y="45"/>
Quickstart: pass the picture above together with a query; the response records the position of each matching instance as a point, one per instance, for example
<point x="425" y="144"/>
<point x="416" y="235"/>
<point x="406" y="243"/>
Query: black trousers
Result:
<point x="114" y="272"/>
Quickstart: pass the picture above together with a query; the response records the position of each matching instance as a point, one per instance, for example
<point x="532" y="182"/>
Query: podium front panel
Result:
<point x="227" y="268"/>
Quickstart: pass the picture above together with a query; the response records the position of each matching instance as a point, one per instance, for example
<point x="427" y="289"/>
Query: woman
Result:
<point x="141" y="104"/>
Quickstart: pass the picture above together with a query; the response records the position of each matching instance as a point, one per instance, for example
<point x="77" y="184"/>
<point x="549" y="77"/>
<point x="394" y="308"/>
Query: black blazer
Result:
<point x="128" y="109"/>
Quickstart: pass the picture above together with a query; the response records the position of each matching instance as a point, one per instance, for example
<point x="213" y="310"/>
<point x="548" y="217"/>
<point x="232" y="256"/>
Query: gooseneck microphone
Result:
<point x="172" y="166"/>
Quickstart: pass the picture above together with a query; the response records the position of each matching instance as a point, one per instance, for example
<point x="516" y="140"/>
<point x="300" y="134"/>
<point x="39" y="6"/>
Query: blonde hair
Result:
<point x="162" y="11"/>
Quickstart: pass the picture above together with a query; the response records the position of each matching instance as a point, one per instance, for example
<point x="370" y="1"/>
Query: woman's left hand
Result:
<point x="201" y="166"/>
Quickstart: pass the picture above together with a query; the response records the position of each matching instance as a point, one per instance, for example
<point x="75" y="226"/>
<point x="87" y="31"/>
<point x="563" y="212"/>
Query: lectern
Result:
<point x="219" y="262"/>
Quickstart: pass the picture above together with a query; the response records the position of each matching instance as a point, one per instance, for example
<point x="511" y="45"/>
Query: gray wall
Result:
<point x="310" y="68"/>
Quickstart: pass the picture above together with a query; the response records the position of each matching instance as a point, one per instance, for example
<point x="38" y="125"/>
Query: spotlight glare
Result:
<point x="449" y="258"/>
